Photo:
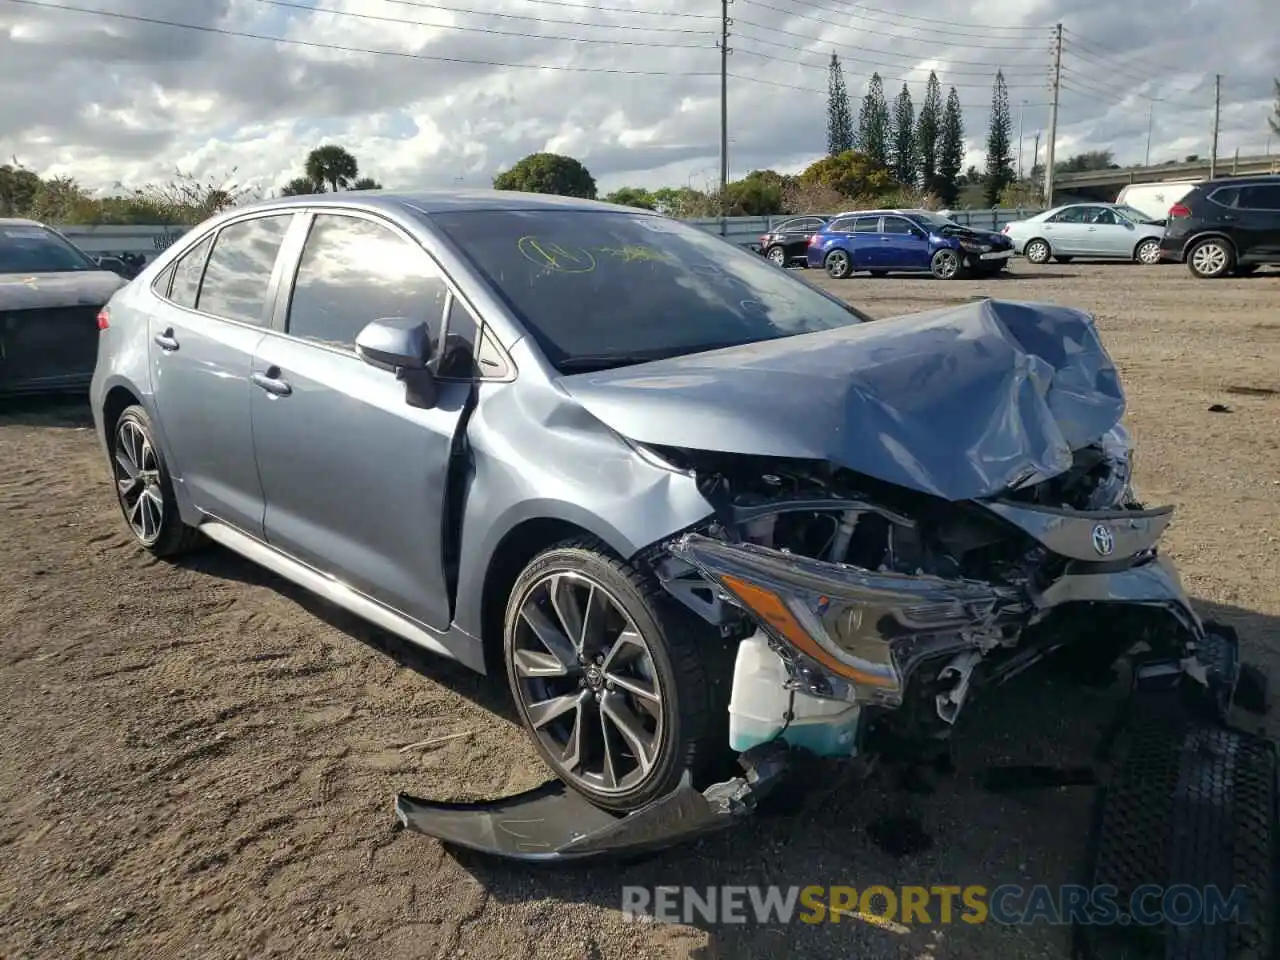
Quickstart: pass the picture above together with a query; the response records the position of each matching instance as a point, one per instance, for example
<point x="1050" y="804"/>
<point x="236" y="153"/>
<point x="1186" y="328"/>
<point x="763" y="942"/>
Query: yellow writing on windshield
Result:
<point x="554" y="256"/>
<point x="638" y="252"/>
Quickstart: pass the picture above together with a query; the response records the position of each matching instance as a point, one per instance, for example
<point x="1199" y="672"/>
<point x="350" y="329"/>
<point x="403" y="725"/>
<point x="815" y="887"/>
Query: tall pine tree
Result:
<point x="928" y="130"/>
<point x="951" y="150"/>
<point x="839" y="114"/>
<point x="903" y="152"/>
<point x="1274" y="120"/>
<point x="873" y="123"/>
<point x="999" y="144"/>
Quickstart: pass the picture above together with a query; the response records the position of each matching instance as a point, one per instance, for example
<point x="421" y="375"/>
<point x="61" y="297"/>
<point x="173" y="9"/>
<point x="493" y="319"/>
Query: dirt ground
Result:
<point x="197" y="760"/>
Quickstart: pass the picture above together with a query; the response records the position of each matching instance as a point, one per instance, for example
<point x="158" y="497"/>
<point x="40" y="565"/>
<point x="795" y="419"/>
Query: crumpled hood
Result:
<point x="961" y="402"/>
<point x="31" y="291"/>
<point x="975" y="235"/>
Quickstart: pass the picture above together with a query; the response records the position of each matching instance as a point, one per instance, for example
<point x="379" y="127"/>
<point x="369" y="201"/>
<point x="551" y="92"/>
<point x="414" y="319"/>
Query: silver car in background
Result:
<point x="689" y="504"/>
<point x="1094" y="231"/>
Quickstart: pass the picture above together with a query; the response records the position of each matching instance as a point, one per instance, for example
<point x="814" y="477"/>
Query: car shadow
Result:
<point x="841" y="828"/>
<point x="65" y="410"/>
<point x="487" y="692"/>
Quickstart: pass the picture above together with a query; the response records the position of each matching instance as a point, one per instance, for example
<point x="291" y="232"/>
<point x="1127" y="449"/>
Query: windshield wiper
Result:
<point x="589" y="363"/>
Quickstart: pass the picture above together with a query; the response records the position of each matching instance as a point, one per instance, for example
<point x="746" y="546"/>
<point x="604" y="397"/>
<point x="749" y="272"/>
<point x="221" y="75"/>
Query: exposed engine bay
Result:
<point x="877" y="600"/>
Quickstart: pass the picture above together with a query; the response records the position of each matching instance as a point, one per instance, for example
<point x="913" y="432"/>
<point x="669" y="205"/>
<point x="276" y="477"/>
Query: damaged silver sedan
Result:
<point x="691" y="505"/>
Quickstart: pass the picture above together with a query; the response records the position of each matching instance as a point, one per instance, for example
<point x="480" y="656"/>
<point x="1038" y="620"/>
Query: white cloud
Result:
<point x="110" y="100"/>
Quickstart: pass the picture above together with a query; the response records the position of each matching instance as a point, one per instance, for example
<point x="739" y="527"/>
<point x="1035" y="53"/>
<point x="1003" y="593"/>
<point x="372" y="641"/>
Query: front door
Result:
<point x="203" y="333"/>
<point x="1107" y="235"/>
<point x="354" y="478"/>
<point x="1258" y="221"/>
<point x="904" y="245"/>
<point x="1066" y="231"/>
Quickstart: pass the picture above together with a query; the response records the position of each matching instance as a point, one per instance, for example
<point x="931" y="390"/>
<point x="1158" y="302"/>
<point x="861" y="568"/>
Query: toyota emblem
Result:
<point x="1104" y="541"/>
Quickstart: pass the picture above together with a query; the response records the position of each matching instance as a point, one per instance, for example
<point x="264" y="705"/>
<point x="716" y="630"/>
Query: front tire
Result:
<point x="1037" y="251"/>
<point x="144" y="487"/>
<point x="1210" y="259"/>
<point x="946" y="265"/>
<point x="1148" y="252"/>
<point x="609" y="677"/>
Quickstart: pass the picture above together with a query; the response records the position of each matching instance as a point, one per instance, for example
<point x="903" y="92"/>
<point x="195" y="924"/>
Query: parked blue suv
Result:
<point x="906" y="241"/>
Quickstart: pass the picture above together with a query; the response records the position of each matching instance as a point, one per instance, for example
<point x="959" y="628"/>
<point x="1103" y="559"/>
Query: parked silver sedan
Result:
<point x="1108" y="231"/>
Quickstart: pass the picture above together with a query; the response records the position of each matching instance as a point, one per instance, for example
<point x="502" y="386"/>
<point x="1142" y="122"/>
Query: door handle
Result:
<point x="166" y="341"/>
<point x="272" y="385"/>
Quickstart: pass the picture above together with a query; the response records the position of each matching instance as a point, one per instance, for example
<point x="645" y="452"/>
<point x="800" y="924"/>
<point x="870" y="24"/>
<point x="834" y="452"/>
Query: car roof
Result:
<point x="442" y="201"/>
<point x="881" y="213"/>
<point x="1266" y="179"/>
<point x="19" y="222"/>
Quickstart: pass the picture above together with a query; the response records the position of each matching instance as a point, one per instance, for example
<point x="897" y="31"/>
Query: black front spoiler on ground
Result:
<point x="554" y="823"/>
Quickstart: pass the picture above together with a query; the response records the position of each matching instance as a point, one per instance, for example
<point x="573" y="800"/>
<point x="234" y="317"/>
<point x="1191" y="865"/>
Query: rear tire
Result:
<point x="1211" y="258"/>
<point x="777" y="256"/>
<point x="144" y="487"/>
<point x="838" y="265"/>
<point x="1037" y="251"/>
<point x="638" y="667"/>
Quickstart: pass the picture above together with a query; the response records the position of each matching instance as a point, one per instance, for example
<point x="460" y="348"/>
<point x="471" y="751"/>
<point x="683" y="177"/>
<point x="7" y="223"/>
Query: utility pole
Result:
<point x="1217" y="104"/>
<point x="1151" y="113"/>
<point x="724" y="107"/>
<point x="1053" y="116"/>
<point x="1021" y="111"/>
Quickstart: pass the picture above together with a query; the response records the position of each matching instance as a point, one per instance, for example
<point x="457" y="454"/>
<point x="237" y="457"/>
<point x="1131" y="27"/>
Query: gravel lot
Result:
<point x="199" y="761"/>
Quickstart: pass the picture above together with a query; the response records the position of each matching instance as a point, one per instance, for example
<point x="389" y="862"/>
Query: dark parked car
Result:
<point x="50" y="295"/>
<point x="687" y="503"/>
<point x="880" y="242"/>
<point x="788" y="241"/>
<point x="1225" y="227"/>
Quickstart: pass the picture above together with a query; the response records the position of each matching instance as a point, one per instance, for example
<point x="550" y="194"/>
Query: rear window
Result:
<point x="590" y="287"/>
<point x="1225" y="196"/>
<point x="32" y="249"/>
<point x="1261" y="196"/>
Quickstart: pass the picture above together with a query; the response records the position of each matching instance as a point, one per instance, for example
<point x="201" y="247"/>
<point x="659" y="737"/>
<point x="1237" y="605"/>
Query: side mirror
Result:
<point x="114" y="264"/>
<point x="402" y="346"/>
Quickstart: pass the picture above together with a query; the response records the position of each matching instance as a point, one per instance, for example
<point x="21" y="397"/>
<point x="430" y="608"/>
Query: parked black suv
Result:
<point x="1225" y="227"/>
<point x="788" y="241"/>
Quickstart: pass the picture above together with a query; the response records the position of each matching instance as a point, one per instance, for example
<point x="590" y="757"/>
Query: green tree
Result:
<point x="18" y="189"/>
<point x="332" y="165"/>
<point x="928" y="131"/>
<point x="366" y="183"/>
<point x="851" y="174"/>
<point x="903" y="143"/>
<point x="951" y="149"/>
<point x="684" y="202"/>
<point x="1000" y="171"/>
<point x="548" y="173"/>
<point x="839" y="113"/>
<point x="1084" y="162"/>
<point x="873" y="123"/>
<point x="1273" y="121"/>
<point x="759" y="194"/>
<point x="301" y="186"/>
<point x="632" y="197"/>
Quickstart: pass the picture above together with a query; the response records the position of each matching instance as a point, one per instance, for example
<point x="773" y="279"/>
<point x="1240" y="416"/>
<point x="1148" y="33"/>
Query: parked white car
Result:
<point x="1109" y="231"/>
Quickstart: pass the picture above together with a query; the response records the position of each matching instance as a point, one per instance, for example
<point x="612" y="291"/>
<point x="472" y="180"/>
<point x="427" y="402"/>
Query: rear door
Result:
<point x="864" y="243"/>
<point x="216" y="303"/>
<point x="354" y="478"/>
<point x="1258" y="226"/>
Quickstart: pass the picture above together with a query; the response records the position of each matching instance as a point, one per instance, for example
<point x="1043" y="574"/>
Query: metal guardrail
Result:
<point x="147" y="240"/>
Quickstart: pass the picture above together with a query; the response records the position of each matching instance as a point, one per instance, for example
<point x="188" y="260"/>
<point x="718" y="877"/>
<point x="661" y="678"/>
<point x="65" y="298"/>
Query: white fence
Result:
<point x="147" y="241"/>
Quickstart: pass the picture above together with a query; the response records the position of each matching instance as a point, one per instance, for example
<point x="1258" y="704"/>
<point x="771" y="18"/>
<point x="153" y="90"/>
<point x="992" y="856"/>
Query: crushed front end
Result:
<point x="858" y="604"/>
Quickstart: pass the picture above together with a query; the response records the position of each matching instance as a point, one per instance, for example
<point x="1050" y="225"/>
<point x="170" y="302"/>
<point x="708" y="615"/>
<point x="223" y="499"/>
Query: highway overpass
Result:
<point x="1105" y="184"/>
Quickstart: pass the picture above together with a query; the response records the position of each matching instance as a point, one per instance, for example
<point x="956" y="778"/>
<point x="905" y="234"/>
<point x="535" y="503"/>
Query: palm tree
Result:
<point x="301" y="186"/>
<point x="366" y="183"/>
<point x="332" y="165"/>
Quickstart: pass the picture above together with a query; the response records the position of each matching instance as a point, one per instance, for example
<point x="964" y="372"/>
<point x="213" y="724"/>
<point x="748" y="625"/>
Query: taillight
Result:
<point x="1005" y="229"/>
<point x="814" y="239"/>
<point x="104" y="319"/>
<point x="1179" y="210"/>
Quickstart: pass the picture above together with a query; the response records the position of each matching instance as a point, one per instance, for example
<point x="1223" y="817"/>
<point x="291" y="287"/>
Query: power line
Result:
<point x="317" y="45"/>
<point x="898" y="66"/>
<point x="597" y="8"/>
<point x="294" y="5"/>
<point x="813" y="41"/>
<point x="897" y="18"/>
<point x="1113" y="53"/>
<point x="849" y="24"/>
<point x="422" y="5"/>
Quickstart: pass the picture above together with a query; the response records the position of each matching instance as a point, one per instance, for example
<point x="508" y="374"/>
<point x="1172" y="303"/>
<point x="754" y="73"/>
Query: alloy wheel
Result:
<point x="778" y="256"/>
<point x="1038" y="251"/>
<point x="946" y="265"/>
<point x="1149" y="252"/>
<point x="588" y="686"/>
<point x="137" y="475"/>
<point x="838" y="264"/>
<point x="1210" y="259"/>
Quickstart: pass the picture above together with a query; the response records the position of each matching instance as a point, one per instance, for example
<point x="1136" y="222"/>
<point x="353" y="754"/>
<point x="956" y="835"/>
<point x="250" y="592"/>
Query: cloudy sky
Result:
<point x="434" y="94"/>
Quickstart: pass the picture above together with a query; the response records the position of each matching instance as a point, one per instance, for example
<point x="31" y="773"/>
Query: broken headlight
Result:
<point x="864" y="627"/>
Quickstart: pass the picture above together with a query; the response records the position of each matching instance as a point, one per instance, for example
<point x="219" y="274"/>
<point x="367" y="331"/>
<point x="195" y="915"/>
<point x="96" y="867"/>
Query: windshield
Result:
<point x="933" y="221"/>
<point x="601" y="289"/>
<point x="1133" y="213"/>
<point x="32" y="249"/>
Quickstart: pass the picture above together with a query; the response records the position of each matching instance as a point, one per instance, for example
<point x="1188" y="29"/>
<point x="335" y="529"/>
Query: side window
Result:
<point x="1102" y="215"/>
<point x="160" y="285"/>
<point x="841" y="226"/>
<point x="187" y="272"/>
<point x="1226" y="196"/>
<point x="354" y="271"/>
<point x="896" y="225"/>
<point x="1069" y="215"/>
<point x="1262" y="196"/>
<point x="457" y="359"/>
<point x="238" y="274"/>
<point x="807" y="226"/>
<point x="867" y="225"/>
